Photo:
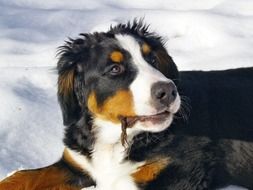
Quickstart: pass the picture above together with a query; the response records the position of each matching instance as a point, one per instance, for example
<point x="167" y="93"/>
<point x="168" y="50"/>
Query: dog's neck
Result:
<point x="107" y="142"/>
<point x="107" y="163"/>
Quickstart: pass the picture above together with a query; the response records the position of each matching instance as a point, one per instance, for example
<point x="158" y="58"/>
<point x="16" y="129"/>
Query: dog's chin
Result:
<point x="154" y="123"/>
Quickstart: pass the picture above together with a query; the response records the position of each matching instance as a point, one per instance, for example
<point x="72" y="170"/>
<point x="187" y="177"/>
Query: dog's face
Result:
<point x="123" y="74"/>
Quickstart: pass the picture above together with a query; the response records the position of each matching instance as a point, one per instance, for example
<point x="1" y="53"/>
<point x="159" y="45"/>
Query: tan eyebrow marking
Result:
<point x="146" y="49"/>
<point x="116" y="56"/>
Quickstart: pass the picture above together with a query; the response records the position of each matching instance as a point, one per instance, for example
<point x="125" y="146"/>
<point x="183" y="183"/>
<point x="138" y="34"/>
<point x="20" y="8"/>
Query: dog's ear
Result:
<point x="166" y="64"/>
<point x="67" y="69"/>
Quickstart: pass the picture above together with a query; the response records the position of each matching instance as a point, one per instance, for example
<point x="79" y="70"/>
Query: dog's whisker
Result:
<point x="184" y="110"/>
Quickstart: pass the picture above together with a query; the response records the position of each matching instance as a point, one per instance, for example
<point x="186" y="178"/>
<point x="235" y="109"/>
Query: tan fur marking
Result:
<point x="150" y="170"/>
<point x="49" y="178"/>
<point x="67" y="157"/>
<point x="121" y="104"/>
<point x="92" y="103"/>
<point x="146" y="49"/>
<point x="116" y="56"/>
<point x="66" y="82"/>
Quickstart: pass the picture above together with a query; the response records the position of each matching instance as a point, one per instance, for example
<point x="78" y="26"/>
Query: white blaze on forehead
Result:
<point x="146" y="76"/>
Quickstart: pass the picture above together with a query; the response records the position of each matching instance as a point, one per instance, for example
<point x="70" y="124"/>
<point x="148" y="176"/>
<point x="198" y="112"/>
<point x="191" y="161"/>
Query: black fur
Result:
<point x="214" y="147"/>
<point x="210" y="149"/>
<point x="76" y="178"/>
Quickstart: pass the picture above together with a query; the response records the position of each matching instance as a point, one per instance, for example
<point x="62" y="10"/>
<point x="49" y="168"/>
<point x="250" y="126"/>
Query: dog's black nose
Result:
<point x="163" y="93"/>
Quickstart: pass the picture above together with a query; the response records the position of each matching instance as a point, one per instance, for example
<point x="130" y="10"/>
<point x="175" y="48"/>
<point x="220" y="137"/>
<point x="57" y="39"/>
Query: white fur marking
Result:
<point x="146" y="77"/>
<point x="107" y="165"/>
<point x="141" y="86"/>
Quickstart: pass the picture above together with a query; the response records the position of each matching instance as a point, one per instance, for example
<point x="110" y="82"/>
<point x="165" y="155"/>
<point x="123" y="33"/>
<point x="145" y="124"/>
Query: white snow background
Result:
<point x="201" y="35"/>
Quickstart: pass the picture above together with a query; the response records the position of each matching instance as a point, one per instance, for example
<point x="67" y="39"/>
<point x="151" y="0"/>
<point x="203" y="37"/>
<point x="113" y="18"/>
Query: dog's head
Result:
<point x="124" y="74"/>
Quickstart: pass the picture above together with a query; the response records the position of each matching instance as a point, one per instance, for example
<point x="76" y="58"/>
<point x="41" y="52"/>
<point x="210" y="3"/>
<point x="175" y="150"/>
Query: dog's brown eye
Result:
<point x="116" y="69"/>
<point x="150" y="58"/>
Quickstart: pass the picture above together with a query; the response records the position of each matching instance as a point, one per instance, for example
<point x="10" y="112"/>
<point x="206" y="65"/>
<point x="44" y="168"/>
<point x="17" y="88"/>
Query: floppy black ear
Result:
<point x="68" y="58"/>
<point x="166" y="64"/>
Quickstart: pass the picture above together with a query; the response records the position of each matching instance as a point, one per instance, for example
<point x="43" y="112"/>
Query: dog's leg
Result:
<point x="49" y="178"/>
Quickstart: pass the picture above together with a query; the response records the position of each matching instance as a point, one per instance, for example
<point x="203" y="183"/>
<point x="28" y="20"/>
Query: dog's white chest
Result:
<point x="110" y="170"/>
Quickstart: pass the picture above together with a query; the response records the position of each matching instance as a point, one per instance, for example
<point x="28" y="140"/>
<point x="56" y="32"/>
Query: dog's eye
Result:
<point x="151" y="59"/>
<point x="116" y="69"/>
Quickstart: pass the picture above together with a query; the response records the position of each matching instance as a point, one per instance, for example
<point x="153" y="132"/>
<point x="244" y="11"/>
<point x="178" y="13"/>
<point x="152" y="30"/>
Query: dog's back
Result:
<point x="221" y="103"/>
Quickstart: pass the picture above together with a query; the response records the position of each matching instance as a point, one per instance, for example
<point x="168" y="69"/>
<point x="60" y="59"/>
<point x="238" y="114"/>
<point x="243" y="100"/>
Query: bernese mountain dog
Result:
<point x="133" y="122"/>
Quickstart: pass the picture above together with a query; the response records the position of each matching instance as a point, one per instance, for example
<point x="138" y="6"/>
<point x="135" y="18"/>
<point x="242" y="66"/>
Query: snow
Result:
<point x="201" y="35"/>
<point x="30" y="120"/>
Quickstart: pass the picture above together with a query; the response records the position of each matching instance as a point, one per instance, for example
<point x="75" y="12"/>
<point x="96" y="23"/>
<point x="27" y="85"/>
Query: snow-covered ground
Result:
<point x="201" y="35"/>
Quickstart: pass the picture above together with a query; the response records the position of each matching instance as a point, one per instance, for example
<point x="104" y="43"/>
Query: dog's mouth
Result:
<point x="154" y="119"/>
<point x="128" y="122"/>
